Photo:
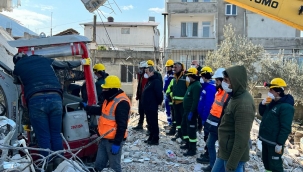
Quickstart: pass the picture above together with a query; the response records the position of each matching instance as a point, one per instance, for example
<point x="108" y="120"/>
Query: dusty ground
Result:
<point x="138" y="156"/>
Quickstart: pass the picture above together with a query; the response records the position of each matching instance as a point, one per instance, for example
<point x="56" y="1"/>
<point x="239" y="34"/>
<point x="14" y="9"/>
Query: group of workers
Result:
<point x="195" y="98"/>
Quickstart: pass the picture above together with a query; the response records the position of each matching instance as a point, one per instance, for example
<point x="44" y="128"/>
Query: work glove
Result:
<point x="278" y="149"/>
<point x="190" y="115"/>
<point x="266" y="101"/>
<point x="85" y="61"/>
<point x="115" y="149"/>
<point x="83" y="105"/>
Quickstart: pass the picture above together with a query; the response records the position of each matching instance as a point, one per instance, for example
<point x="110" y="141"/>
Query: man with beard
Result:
<point x="213" y="121"/>
<point x="152" y="97"/>
<point x="115" y="114"/>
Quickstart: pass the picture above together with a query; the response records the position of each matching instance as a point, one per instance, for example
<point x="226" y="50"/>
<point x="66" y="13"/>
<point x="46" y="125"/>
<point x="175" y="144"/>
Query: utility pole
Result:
<point x="51" y="30"/>
<point x="164" y="46"/>
<point x="94" y="38"/>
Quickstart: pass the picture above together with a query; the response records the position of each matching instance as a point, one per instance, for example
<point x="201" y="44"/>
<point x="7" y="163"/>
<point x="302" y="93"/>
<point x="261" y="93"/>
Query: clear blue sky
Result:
<point x="36" y="14"/>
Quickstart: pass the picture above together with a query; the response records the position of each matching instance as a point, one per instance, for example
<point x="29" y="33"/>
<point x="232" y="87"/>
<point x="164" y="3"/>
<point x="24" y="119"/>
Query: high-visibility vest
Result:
<point x="217" y="107"/>
<point x="107" y="120"/>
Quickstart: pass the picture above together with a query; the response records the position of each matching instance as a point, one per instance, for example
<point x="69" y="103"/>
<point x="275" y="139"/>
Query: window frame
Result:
<point x="186" y="25"/>
<point x="125" y="28"/>
<point x="127" y="73"/>
<point x="231" y="10"/>
<point x="206" y="25"/>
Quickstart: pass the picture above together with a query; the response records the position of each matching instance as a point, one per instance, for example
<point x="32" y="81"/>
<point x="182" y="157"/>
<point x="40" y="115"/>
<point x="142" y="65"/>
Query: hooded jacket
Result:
<point x="236" y="123"/>
<point x="207" y="97"/>
<point x="276" y="122"/>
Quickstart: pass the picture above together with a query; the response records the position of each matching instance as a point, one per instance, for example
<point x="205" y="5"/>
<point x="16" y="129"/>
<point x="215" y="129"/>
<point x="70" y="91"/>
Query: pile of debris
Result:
<point x="167" y="156"/>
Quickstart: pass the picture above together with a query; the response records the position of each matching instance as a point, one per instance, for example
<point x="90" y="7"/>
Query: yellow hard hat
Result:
<point x="277" y="83"/>
<point x="192" y="71"/>
<point x="111" y="81"/>
<point x="150" y="63"/>
<point x="206" y="69"/>
<point x="98" y="67"/>
<point x="169" y="63"/>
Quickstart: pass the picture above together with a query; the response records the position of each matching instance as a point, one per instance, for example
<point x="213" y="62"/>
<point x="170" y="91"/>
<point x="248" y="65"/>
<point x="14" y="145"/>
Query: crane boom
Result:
<point x="289" y="12"/>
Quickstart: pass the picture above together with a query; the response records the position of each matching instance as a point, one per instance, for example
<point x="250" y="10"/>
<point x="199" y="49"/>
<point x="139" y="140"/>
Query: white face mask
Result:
<point x="201" y="80"/>
<point x="270" y="95"/>
<point x="225" y="87"/>
<point x="187" y="79"/>
<point x="95" y="76"/>
<point x="194" y="66"/>
<point x="145" y="75"/>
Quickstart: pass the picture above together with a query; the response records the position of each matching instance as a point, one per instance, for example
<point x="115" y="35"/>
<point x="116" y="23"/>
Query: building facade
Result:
<point x="196" y="26"/>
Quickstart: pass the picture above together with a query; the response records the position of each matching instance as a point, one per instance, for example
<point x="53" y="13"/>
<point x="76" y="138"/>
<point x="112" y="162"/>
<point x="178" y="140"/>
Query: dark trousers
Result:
<point x="189" y="128"/>
<point x="199" y="123"/>
<point x="271" y="160"/>
<point x="178" y="108"/>
<point x="173" y="118"/>
<point x="206" y="133"/>
<point x="141" y="113"/>
<point x="153" y="126"/>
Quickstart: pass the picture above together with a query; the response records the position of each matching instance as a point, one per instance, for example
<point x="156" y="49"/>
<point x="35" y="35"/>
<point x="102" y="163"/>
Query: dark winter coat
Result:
<point x="276" y="120"/>
<point x="152" y="95"/>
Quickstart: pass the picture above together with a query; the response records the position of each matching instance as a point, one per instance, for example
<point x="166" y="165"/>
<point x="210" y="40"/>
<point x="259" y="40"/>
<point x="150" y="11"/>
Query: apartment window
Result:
<point x="206" y="29"/>
<point x="230" y="9"/>
<point x="190" y="0"/>
<point x="189" y="29"/>
<point x="128" y="72"/>
<point x="125" y="30"/>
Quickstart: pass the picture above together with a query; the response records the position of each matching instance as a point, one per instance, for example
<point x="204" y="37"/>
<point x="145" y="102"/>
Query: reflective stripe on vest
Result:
<point x="217" y="107"/>
<point x="107" y="120"/>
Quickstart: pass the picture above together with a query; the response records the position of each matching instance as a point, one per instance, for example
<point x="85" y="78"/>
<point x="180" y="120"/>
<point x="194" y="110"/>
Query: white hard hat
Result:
<point x="218" y="73"/>
<point x="142" y="64"/>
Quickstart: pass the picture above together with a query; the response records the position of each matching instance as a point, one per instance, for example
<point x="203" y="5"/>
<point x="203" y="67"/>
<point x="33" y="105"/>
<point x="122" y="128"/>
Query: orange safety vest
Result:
<point x="217" y="107"/>
<point x="107" y="120"/>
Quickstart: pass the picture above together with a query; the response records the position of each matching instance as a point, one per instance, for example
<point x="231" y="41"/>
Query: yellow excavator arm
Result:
<point x="289" y="12"/>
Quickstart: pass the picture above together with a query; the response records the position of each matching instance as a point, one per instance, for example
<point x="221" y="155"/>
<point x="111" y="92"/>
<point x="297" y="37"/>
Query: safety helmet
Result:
<point x="111" y="81"/>
<point x="98" y="67"/>
<point x="192" y="71"/>
<point x="218" y="73"/>
<point x="142" y="64"/>
<point x="277" y="83"/>
<point x="150" y="63"/>
<point x="206" y="69"/>
<point x="169" y="63"/>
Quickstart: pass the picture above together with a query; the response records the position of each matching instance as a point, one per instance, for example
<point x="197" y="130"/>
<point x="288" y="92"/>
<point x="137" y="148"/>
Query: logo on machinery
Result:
<point x="76" y="126"/>
<point x="269" y="3"/>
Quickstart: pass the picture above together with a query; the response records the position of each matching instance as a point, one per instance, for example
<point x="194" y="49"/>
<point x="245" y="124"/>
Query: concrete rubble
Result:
<point x="167" y="156"/>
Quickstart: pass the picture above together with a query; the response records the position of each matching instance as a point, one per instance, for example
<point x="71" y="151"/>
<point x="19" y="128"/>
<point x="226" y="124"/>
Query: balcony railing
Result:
<point x="192" y="7"/>
<point x="193" y="43"/>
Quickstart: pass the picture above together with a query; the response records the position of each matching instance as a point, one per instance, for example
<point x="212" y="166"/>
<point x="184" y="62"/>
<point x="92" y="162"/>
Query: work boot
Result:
<point x="204" y="159"/>
<point x="138" y="127"/>
<point x="185" y="146"/>
<point x="56" y="162"/>
<point x="192" y="149"/>
<point x="171" y="132"/>
<point x="207" y="169"/>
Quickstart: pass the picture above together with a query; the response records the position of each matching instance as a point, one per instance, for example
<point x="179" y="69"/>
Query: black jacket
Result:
<point x="152" y="95"/>
<point x="121" y="117"/>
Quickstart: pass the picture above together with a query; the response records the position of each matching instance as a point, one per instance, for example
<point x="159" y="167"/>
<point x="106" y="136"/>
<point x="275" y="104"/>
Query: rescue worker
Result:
<point x="207" y="97"/>
<point x="179" y="89"/>
<point x="159" y="76"/>
<point x="140" y="87"/>
<point x="115" y="113"/>
<point x="167" y="78"/>
<point x="213" y="121"/>
<point x="277" y="111"/>
<point x="189" y="119"/>
<point x="152" y="97"/>
<point x="99" y="75"/>
<point x="236" y="123"/>
<point x="42" y="90"/>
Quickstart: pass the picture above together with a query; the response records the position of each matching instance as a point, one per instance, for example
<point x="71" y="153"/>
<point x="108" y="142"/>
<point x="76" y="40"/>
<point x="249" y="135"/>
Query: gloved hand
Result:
<point x="115" y="149"/>
<point x="85" y="61"/>
<point x="190" y="115"/>
<point x="278" y="149"/>
<point x="83" y="104"/>
<point x="267" y="100"/>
